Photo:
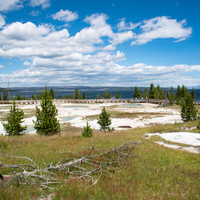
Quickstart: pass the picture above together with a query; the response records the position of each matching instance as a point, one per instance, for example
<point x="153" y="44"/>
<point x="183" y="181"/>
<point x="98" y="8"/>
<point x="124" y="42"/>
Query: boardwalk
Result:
<point x="90" y="101"/>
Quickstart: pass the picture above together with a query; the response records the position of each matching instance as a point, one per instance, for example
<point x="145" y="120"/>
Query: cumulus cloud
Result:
<point x="65" y="15"/>
<point x="122" y="37"/>
<point x="42" y="3"/>
<point x="97" y="19"/>
<point x="77" y="69"/>
<point x="122" y="25"/>
<point x="20" y="31"/>
<point x="26" y="63"/>
<point x="2" y="21"/>
<point x="89" y="56"/>
<point x="162" y="27"/>
<point x="6" y="5"/>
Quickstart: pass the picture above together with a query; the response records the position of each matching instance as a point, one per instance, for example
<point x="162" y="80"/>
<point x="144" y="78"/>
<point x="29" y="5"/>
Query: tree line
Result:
<point x="39" y="96"/>
<point x="151" y="93"/>
<point x="77" y="95"/>
<point x="158" y="93"/>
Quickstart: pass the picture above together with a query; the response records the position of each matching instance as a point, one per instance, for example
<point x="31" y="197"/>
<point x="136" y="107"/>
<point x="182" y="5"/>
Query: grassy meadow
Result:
<point x="156" y="172"/>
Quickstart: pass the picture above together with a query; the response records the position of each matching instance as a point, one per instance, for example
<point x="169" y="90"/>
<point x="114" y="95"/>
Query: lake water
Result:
<point x="91" y="94"/>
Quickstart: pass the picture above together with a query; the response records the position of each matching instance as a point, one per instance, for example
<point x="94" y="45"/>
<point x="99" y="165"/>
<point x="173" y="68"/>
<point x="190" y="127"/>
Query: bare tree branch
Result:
<point x="80" y="168"/>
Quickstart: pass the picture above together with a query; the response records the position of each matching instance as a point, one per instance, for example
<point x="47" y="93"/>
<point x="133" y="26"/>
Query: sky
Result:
<point x="99" y="43"/>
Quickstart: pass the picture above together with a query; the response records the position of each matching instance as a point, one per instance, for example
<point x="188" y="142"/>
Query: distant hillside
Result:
<point x="2" y="90"/>
<point x="197" y="87"/>
<point x="80" y="88"/>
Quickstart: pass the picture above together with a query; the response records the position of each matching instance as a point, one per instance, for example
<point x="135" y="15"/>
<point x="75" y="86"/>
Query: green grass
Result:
<point x="156" y="172"/>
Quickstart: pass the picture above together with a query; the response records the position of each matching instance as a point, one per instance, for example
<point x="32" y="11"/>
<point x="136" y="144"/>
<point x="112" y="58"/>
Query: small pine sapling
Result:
<point x="46" y="122"/>
<point x="104" y="120"/>
<point x="15" y="118"/>
<point x="87" y="131"/>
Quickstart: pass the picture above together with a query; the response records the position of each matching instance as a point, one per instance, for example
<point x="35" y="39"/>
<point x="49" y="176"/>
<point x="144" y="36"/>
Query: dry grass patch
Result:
<point x="155" y="172"/>
<point x="174" y="107"/>
<point x="29" y="113"/>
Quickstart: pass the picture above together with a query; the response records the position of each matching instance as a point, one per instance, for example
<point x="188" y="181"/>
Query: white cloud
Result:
<point x="2" y="66"/>
<point x="122" y="37"/>
<point x="65" y="15"/>
<point x="97" y="19"/>
<point x="26" y="63"/>
<point x="93" y="34"/>
<point x="20" y="31"/>
<point x="2" y="21"/>
<point x="35" y="13"/>
<point x="43" y="3"/>
<point x="122" y="25"/>
<point x="162" y="27"/>
<point x="55" y="57"/>
<point x="77" y="69"/>
<point x="6" y="5"/>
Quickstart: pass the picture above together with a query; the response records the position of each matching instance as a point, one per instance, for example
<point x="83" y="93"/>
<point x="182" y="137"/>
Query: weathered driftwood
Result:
<point x="84" y="167"/>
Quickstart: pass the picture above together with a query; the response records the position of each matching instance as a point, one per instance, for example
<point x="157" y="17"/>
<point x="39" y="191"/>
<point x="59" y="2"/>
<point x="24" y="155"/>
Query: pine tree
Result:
<point x="139" y="93"/>
<point x="106" y="95"/>
<point x="136" y="92"/>
<point x="46" y="122"/>
<point x="104" y="120"/>
<point x="117" y="95"/>
<point x="15" y="118"/>
<point x="171" y="99"/>
<point x="87" y="131"/>
<point x="52" y="93"/>
<point x="38" y="96"/>
<point x="99" y="96"/>
<point x="145" y="93"/>
<point x="5" y="95"/>
<point x="33" y="97"/>
<point x="183" y="91"/>
<point x="76" y="94"/>
<point x="193" y="94"/>
<point x="178" y="94"/>
<point x="158" y="91"/>
<point x="188" y="111"/>
<point x="152" y="92"/>
<point x="84" y="96"/>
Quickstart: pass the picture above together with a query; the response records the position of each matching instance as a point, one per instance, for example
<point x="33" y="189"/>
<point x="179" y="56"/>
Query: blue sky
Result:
<point x="99" y="43"/>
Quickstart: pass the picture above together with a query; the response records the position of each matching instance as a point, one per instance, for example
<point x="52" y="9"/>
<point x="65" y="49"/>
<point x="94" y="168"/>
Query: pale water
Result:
<point x="73" y="107"/>
<point x="30" y="128"/>
<point x="132" y="105"/>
